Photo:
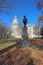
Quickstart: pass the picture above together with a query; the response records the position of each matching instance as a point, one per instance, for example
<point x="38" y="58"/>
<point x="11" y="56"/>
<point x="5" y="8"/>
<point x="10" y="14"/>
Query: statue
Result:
<point x="25" y="42"/>
<point x="25" y="21"/>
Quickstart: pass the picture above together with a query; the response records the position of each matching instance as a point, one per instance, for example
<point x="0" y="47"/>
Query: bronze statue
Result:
<point x="25" y="21"/>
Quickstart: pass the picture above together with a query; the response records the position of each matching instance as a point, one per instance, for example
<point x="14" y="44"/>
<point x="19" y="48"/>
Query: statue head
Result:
<point x="24" y="16"/>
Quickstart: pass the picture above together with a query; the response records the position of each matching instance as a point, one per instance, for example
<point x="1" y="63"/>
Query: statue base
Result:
<point x="25" y="41"/>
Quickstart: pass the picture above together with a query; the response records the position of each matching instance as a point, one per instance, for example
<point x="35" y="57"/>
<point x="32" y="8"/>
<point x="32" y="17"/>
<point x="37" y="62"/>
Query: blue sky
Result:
<point x="24" y="7"/>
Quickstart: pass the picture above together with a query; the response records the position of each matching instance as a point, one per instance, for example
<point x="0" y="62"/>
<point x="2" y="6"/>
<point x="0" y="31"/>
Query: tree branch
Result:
<point x="1" y="2"/>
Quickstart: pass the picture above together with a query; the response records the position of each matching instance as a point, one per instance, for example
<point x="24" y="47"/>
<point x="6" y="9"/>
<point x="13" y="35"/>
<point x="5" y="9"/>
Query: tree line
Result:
<point x="5" y="31"/>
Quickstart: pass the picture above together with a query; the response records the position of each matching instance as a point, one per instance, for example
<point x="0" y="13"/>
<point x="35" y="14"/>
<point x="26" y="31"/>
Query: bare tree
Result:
<point x="40" y="19"/>
<point x="3" y="31"/>
<point x="41" y="32"/>
<point x="36" y="29"/>
<point x="7" y="5"/>
<point x="40" y="4"/>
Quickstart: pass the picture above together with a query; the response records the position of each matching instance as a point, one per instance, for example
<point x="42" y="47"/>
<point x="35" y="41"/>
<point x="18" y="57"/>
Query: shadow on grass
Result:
<point x="33" y="47"/>
<point x="8" y="48"/>
<point x="40" y="47"/>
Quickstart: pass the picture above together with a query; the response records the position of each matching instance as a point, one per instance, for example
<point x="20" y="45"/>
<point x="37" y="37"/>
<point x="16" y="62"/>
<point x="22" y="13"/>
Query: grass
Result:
<point x="34" y="48"/>
<point x="31" y="39"/>
<point x="4" y="45"/>
<point x="7" y="42"/>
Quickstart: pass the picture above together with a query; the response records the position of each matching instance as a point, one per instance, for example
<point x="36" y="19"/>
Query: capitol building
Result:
<point x="32" y="30"/>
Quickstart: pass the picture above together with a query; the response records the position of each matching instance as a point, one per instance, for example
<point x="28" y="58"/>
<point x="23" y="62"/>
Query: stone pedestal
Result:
<point x="25" y="41"/>
<point x="24" y="33"/>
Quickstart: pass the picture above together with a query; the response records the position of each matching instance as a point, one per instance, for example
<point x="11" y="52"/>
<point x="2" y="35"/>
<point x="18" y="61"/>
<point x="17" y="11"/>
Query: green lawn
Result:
<point x="7" y="42"/>
<point x="34" y="48"/>
<point x="4" y="45"/>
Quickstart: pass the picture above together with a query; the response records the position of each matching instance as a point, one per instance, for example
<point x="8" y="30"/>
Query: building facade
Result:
<point x="16" y="28"/>
<point x="32" y="30"/>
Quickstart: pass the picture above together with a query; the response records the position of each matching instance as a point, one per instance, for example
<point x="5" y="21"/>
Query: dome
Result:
<point x="15" y="21"/>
